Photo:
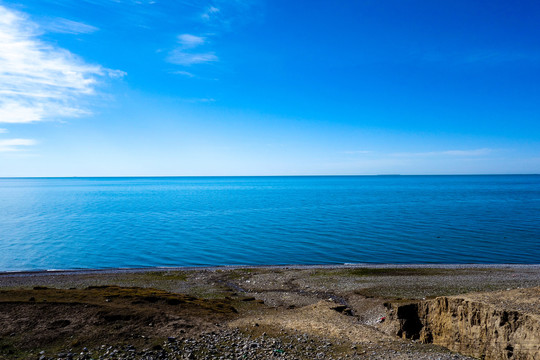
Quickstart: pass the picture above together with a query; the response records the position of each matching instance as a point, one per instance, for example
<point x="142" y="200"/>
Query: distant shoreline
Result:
<point x="269" y="267"/>
<point x="338" y="310"/>
<point x="245" y="176"/>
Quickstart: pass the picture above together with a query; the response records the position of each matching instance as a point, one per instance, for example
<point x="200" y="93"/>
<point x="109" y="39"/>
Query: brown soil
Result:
<point x="334" y="311"/>
<point x="54" y="319"/>
<point x="324" y="318"/>
<point x="492" y="326"/>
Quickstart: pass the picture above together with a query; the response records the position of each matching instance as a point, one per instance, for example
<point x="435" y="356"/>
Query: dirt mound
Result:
<point x="44" y="318"/>
<point x="324" y="318"/>
<point x="496" y="325"/>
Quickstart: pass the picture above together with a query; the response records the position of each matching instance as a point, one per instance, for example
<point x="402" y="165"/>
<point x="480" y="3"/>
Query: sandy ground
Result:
<point x="292" y="312"/>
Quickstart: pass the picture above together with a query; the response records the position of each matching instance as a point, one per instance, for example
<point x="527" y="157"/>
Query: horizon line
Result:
<point x="253" y="176"/>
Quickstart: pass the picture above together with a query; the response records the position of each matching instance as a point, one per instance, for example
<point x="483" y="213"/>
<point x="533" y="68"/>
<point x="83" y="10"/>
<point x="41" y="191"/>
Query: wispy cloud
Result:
<point x="66" y="26"/>
<point x="223" y="14"/>
<point x="217" y="16"/>
<point x="39" y="81"/>
<point x="183" y="55"/>
<point x="480" y="56"/>
<point x="499" y="57"/>
<point x="356" y="152"/>
<point x="474" y="152"/>
<point x="188" y="41"/>
<point x="184" y="73"/>
<point x="3" y="131"/>
<point x="210" y="12"/>
<point x="12" y="145"/>
<point x="477" y="152"/>
<point x="180" y="57"/>
<point x="120" y="2"/>
<point x="201" y="100"/>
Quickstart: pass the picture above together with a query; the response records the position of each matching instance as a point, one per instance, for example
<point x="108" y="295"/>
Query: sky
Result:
<point x="255" y="87"/>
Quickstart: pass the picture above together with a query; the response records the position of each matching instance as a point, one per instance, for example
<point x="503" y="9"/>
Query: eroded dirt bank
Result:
<point x="494" y="325"/>
<point x="256" y="313"/>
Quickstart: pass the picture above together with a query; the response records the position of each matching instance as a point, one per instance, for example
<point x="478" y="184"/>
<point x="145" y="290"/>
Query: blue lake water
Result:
<point x="77" y="223"/>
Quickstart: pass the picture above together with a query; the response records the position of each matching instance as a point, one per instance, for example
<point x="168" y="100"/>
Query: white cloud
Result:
<point x="210" y="12"/>
<point x="354" y="152"/>
<point x="3" y="131"/>
<point x="223" y="15"/>
<point x="179" y="57"/>
<point x="189" y="41"/>
<point x="474" y="152"/>
<point x="220" y="16"/>
<point x="184" y="73"/>
<point x="202" y="100"/>
<point x="477" y="152"/>
<point x="11" y="145"/>
<point x="65" y="26"/>
<point x="481" y="56"/>
<point x="39" y="81"/>
<point x="182" y="56"/>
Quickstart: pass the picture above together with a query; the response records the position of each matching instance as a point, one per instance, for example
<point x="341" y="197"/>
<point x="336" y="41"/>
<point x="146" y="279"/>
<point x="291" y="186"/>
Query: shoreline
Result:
<point x="107" y="271"/>
<point x="212" y="312"/>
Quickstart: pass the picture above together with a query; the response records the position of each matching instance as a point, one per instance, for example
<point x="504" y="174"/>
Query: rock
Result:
<point x="479" y="325"/>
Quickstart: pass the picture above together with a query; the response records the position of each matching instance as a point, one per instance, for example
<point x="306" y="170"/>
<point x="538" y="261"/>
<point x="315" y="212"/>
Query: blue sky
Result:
<point x="238" y="87"/>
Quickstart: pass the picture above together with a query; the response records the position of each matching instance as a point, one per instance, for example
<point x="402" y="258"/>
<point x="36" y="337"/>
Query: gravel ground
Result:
<point x="234" y="344"/>
<point x="406" y="281"/>
<point x="263" y="291"/>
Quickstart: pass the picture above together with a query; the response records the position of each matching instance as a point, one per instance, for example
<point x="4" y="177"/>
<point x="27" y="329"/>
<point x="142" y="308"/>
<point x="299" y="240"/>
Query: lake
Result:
<point x="95" y="223"/>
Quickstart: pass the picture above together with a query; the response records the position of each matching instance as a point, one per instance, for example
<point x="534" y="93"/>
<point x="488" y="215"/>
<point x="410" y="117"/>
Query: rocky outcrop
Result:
<point x="502" y="325"/>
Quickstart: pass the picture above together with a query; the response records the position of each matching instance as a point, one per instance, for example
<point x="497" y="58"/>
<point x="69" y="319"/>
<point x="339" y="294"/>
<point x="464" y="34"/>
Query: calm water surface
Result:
<point x="73" y="223"/>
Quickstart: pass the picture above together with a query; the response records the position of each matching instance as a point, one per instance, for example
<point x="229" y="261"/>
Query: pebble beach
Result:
<point x="289" y="312"/>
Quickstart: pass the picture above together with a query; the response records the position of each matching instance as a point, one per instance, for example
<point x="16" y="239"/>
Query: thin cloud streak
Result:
<point x="13" y="145"/>
<point x="179" y="57"/>
<point x="189" y="41"/>
<point x="40" y="81"/>
<point x="223" y="14"/>
<point x="184" y="73"/>
<point x="182" y="56"/>
<point x="66" y="26"/>
<point x="202" y="100"/>
<point x="483" y="57"/>
<point x="210" y="12"/>
<point x="219" y="16"/>
<point x="475" y="152"/>
<point x="355" y="152"/>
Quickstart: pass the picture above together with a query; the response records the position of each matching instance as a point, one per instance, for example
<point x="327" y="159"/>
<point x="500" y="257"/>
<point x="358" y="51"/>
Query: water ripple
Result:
<point x="138" y="222"/>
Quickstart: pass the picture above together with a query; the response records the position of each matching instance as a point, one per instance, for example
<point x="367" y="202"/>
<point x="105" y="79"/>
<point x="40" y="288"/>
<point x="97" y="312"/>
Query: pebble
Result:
<point x="233" y="344"/>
